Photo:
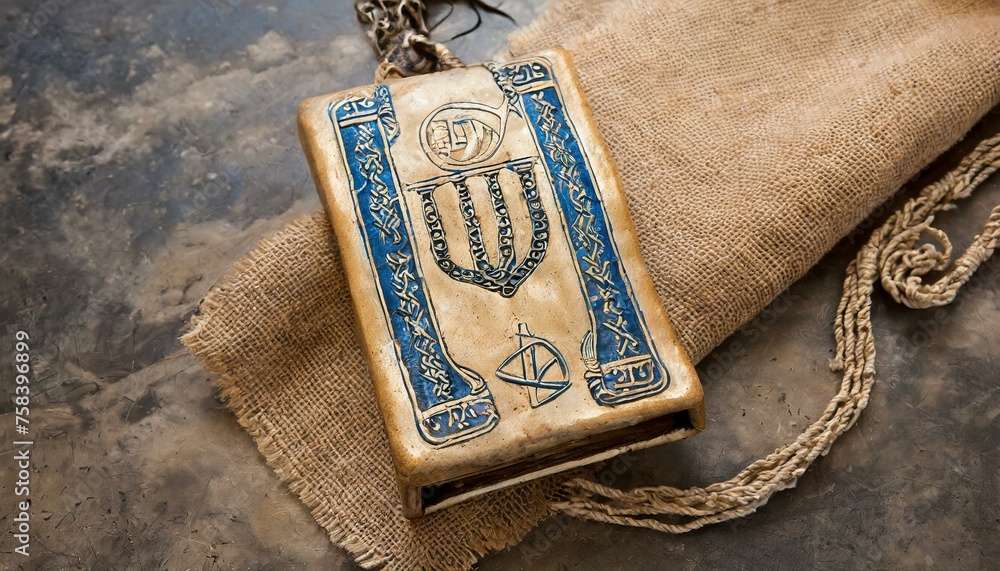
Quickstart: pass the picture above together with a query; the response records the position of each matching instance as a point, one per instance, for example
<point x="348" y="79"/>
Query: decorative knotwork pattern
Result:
<point x="505" y="82"/>
<point x="593" y="263"/>
<point x="452" y="402"/>
<point x="382" y="208"/>
<point x="403" y="284"/>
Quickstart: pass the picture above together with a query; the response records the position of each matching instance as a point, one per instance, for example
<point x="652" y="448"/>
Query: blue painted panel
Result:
<point x="452" y="403"/>
<point x="622" y="361"/>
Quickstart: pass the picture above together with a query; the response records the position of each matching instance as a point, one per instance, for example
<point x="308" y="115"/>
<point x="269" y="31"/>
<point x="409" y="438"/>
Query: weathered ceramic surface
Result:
<point x="147" y="147"/>
<point x="507" y="314"/>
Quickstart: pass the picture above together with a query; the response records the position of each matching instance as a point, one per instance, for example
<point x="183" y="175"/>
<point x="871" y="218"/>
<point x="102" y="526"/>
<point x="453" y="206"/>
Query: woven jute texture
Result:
<point x="750" y="135"/>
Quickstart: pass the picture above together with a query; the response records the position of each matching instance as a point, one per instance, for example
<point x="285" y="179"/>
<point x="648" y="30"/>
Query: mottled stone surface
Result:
<point x="146" y="148"/>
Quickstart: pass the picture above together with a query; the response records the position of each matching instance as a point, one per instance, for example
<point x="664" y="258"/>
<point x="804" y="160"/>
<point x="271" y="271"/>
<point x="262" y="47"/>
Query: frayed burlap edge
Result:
<point x="256" y="422"/>
<point x="520" y="518"/>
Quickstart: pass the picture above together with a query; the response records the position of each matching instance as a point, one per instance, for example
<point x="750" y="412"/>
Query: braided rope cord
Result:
<point x="399" y="32"/>
<point x="891" y="257"/>
<point x="437" y="58"/>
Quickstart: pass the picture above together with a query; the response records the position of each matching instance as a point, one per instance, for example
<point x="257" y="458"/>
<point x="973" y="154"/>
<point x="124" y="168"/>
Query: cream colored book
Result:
<point x="508" y="318"/>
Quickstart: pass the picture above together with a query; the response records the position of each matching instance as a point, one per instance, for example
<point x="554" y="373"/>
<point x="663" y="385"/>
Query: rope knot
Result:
<point x="904" y="265"/>
<point x="412" y="53"/>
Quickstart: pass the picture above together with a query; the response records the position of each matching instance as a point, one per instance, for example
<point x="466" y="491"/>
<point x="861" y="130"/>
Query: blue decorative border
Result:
<point x="451" y="403"/>
<point x="623" y="364"/>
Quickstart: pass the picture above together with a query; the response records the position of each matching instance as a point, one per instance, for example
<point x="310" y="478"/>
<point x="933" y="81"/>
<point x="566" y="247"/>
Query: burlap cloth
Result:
<point x="751" y="136"/>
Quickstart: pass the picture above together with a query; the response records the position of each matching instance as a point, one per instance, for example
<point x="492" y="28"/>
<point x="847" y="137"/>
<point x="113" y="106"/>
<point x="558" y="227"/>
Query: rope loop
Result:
<point x="892" y="257"/>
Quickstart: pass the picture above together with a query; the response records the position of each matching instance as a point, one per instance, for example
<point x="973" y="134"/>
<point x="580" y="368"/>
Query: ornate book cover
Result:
<point x="510" y="324"/>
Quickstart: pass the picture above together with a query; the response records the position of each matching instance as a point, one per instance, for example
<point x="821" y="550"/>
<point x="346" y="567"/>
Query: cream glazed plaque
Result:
<point x="510" y="324"/>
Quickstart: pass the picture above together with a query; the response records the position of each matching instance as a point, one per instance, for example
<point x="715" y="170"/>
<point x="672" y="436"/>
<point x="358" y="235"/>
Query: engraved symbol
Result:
<point x="538" y="365"/>
<point x="509" y="272"/>
<point x="457" y="135"/>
